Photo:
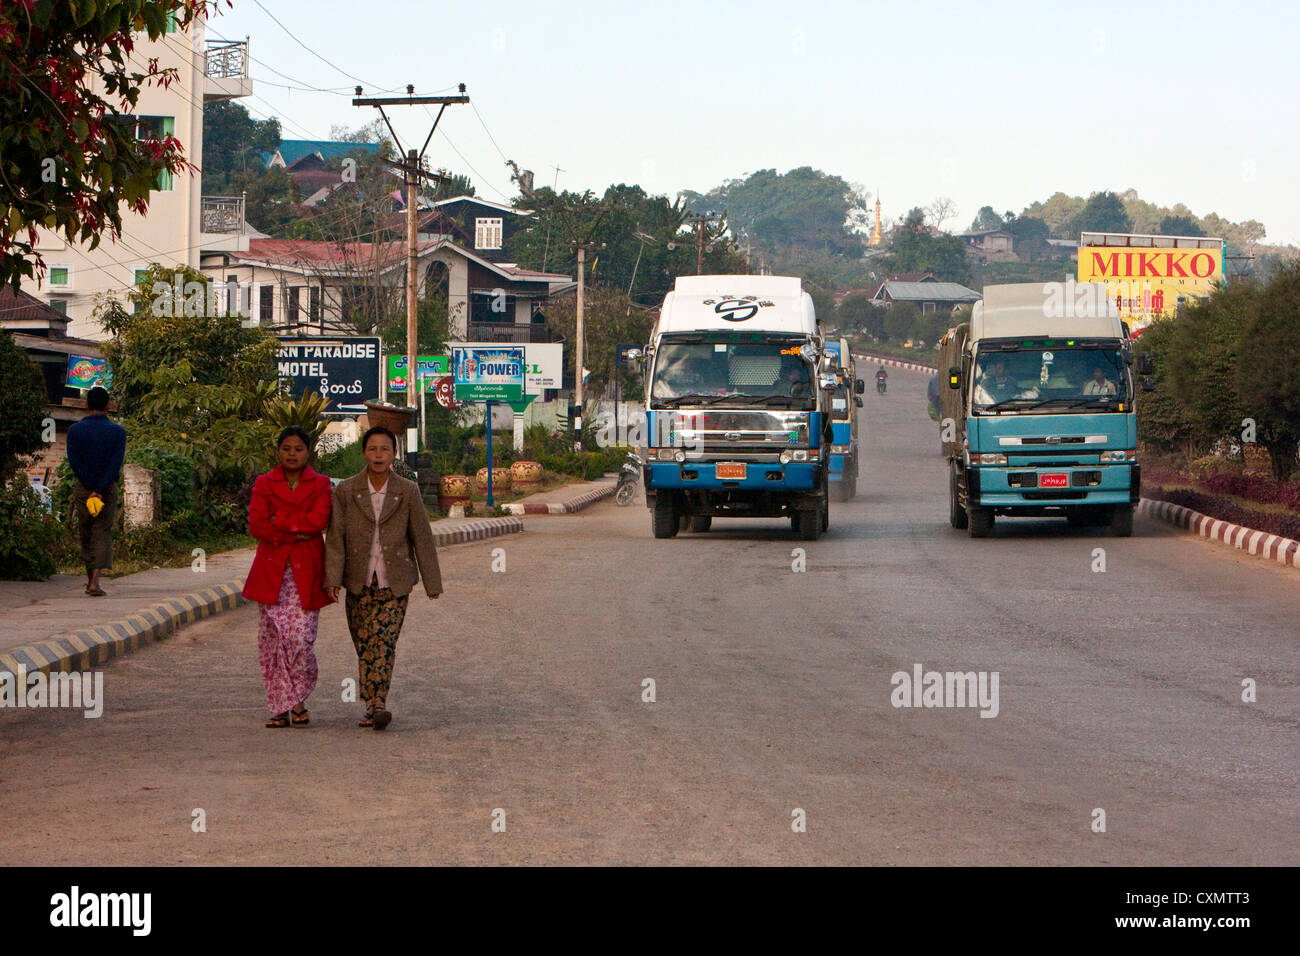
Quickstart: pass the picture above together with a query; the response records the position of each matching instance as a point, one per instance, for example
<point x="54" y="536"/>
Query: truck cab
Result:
<point x="1038" y="415"/>
<point x="844" y="422"/>
<point x="738" y="405"/>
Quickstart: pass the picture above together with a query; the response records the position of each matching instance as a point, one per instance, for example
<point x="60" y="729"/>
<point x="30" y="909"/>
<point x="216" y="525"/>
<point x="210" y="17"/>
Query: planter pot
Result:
<point x="526" y="475"/>
<point x="453" y="490"/>
<point x="500" y="480"/>
<point x="393" y="417"/>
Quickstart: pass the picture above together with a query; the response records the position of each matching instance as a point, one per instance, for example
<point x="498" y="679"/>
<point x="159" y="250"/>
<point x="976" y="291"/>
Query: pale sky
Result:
<point x="985" y="103"/>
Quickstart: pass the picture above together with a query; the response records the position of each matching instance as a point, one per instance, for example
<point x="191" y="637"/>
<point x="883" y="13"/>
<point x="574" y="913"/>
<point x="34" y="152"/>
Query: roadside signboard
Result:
<point x="433" y="367"/>
<point x="488" y="374"/>
<point x="344" y="370"/>
<point x="1145" y="276"/>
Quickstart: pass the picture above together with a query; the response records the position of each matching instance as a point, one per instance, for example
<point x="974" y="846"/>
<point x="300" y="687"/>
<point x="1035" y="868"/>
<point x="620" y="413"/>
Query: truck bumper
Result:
<point x="1021" y="488"/>
<point x="702" y="475"/>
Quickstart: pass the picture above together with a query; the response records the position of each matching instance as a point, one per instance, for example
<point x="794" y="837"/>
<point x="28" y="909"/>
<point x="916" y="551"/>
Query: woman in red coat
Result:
<point x="289" y="511"/>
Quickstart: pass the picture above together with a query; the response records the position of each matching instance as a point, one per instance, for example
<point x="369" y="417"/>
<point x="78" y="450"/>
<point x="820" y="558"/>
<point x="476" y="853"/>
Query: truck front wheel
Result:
<point x="1121" y="521"/>
<point x="981" y="522"/>
<point x="664" y="517"/>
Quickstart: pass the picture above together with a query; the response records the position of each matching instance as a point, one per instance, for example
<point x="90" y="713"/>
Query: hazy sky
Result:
<point x="986" y="103"/>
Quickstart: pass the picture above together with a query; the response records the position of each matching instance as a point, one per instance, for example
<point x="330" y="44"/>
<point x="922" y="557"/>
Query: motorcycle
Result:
<point x="629" y="476"/>
<point x="880" y="385"/>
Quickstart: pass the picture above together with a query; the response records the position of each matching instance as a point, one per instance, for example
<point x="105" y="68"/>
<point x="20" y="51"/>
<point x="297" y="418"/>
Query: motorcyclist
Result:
<point x="881" y="377"/>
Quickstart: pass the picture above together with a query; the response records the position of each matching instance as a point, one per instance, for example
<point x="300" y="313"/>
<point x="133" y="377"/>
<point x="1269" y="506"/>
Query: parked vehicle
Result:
<point x="844" y="422"/>
<point x="1038" y="411"/>
<point x="629" y="476"/>
<point x="738" y="406"/>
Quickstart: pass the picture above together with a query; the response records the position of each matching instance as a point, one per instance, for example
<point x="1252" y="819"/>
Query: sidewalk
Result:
<point x="54" y="626"/>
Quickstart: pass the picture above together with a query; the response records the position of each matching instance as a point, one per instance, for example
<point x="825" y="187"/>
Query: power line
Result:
<point x="309" y="49"/>
<point x="488" y="131"/>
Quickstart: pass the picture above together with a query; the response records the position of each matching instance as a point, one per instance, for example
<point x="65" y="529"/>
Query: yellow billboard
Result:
<point x="1147" y="275"/>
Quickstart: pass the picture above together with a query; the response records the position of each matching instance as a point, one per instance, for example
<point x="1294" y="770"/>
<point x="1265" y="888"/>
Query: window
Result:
<point x="266" y="305"/>
<point x="140" y="276"/>
<point x="59" y="305"/>
<point x="487" y="233"/>
<point x="295" y="298"/>
<point x="491" y="305"/>
<point x="313" y="307"/>
<point x="153" y="127"/>
<point x="58" y="275"/>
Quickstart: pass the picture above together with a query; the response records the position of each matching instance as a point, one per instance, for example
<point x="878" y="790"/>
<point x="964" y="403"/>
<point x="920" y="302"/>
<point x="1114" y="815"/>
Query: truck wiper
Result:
<point x="1006" y="401"/>
<point x="674" y="402"/>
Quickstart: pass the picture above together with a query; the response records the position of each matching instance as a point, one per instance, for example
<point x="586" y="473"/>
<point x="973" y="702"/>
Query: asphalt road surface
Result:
<point x="518" y="697"/>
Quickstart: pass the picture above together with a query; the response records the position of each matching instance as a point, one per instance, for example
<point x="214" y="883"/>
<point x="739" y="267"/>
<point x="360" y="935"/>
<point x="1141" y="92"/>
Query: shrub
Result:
<point x="1225" y="509"/>
<point x="28" y="533"/>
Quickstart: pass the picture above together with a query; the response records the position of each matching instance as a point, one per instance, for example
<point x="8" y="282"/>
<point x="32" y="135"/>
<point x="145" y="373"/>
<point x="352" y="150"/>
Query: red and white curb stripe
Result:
<point x="1261" y="544"/>
<point x="896" y="363"/>
<point x="572" y="506"/>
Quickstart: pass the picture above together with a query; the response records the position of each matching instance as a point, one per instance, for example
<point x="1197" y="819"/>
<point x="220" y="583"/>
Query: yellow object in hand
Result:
<point x="94" y="504"/>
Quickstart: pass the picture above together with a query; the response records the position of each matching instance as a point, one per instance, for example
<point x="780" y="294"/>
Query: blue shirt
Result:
<point x="96" y="447"/>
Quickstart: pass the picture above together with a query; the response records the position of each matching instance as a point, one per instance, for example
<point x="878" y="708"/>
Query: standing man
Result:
<point x="378" y="535"/>
<point x="96" y="447"/>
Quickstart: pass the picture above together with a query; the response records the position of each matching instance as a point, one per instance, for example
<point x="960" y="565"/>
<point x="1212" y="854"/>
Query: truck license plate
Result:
<point x="1055" y="481"/>
<point x="731" y="470"/>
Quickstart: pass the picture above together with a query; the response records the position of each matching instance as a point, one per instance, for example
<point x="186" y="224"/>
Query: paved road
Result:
<point x="523" y="691"/>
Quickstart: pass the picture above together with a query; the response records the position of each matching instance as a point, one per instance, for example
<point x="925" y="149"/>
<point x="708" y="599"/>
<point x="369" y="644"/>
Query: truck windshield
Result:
<point x="1056" y="379"/>
<point x="841" y="403"/>
<point x="768" y="373"/>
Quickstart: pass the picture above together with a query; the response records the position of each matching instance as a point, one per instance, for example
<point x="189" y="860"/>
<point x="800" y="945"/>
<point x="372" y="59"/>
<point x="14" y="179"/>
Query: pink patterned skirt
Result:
<point x="285" y="636"/>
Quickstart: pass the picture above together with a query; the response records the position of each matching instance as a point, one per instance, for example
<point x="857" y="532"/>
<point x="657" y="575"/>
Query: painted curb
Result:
<point x="477" y="530"/>
<point x="97" y="645"/>
<point x="572" y="506"/>
<point x="1260" y="544"/>
<point x="896" y="363"/>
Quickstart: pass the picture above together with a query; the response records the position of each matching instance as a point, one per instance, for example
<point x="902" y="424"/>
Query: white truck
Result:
<point x="738" y="406"/>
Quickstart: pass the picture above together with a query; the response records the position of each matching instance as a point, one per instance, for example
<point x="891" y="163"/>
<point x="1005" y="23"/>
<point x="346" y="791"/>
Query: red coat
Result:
<point x="277" y="514"/>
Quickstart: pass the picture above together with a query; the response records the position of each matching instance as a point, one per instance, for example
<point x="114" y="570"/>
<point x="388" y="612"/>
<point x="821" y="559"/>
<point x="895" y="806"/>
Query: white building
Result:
<point x="181" y="222"/>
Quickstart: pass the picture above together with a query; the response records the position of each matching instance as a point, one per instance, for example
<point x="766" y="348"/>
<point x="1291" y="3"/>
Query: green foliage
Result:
<point x="1161" y="421"/>
<point x="1179" y="226"/>
<point x="915" y="248"/>
<point x="342" y="462"/>
<point x="1268" y="372"/>
<point x="986" y="219"/>
<point x="175" y="473"/>
<point x="233" y="144"/>
<point x="859" y="314"/>
<point x="66" y="81"/>
<point x="902" y="322"/>
<point x="28" y="534"/>
<point x="1103" y="212"/>
<point x="304" y="412"/>
<point x="23" y="387"/>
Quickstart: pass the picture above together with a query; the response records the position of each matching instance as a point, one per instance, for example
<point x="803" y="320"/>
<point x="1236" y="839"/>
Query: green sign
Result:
<point x="432" y="367"/>
<point x="488" y="374"/>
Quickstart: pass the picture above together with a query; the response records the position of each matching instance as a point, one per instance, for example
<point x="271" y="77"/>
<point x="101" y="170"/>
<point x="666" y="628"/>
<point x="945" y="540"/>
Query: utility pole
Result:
<point x="577" y="375"/>
<point x="410" y="166"/>
<point x="699" y="220"/>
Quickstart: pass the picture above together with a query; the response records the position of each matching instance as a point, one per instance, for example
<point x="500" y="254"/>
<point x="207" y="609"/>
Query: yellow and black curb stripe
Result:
<point x="98" y="645"/>
<point x="477" y="530"/>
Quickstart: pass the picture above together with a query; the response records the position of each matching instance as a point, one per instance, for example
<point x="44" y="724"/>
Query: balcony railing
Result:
<point x="508" y="332"/>
<point x="227" y="59"/>
<point x="222" y="214"/>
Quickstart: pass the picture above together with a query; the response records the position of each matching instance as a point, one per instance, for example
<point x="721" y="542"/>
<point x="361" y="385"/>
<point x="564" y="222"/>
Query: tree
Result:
<point x="940" y="211"/>
<point x="1268" y="370"/>
<point x="986" y="219"/>
<point x="915" y="249"/>
<point x="1179" y="226"/>
<point x="859" y="314"/>
<point x="71" y="154"/>
<point x="233" y="144"/>
<point x="902" y="321"/>
<point x="1103" y="212"/>
<point x="23" y="387"/>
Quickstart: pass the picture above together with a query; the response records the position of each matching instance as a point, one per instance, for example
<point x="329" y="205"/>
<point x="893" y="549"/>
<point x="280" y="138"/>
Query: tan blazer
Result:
<point x="404" y="534"/>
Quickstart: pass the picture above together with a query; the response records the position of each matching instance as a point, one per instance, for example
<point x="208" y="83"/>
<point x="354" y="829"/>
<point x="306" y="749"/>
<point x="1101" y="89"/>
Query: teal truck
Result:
<point x="1037" y="417"/>
<point x="738" y="406"/>
<point x="844" y="421"/>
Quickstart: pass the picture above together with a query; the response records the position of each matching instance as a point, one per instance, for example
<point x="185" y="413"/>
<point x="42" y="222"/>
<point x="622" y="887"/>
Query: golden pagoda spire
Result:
<point x="875" y="230"/>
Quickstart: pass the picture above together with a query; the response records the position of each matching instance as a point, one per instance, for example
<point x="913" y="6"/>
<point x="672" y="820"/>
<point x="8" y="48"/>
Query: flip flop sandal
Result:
<point x="96" y="592"/>
<point x="367" y="721"/>
<point x="279" y="720"/>
<point x="300" y="717"/>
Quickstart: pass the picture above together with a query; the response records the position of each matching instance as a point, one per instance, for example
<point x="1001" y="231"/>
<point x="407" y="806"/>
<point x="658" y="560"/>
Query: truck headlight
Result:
<point x="665" y="454"/>
<point x="989" y="458"/>
<point x="1119" y="457"/>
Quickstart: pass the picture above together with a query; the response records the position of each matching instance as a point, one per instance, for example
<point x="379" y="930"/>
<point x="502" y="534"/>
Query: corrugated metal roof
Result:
<point x="930" y="291"/>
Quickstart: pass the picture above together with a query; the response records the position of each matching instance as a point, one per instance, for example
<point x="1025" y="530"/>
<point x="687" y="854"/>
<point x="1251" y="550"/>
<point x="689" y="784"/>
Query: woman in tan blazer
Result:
<point x="378" y="534"/>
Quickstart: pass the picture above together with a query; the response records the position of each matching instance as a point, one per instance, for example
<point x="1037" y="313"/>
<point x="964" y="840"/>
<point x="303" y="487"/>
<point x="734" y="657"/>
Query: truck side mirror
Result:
<point x="1147" y="385"/>
<point x="859" y="386"/>
<point x="954" y="377"/>
<point x="829" y="382"/>
<point x="1146" y="364"/>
